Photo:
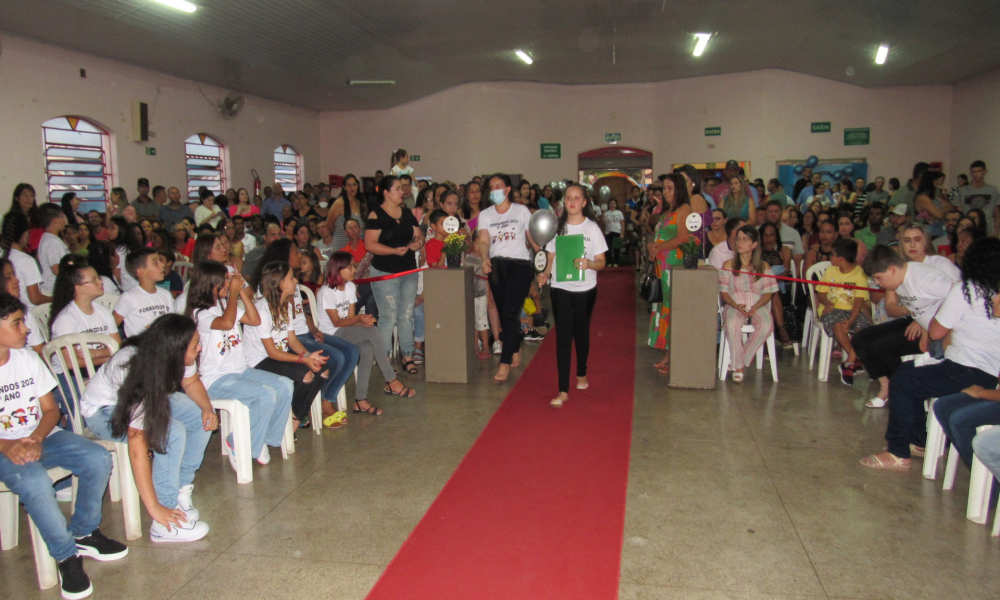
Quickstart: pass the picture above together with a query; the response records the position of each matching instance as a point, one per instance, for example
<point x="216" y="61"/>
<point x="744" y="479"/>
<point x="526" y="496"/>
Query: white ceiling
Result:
<point x="302" y="51"/>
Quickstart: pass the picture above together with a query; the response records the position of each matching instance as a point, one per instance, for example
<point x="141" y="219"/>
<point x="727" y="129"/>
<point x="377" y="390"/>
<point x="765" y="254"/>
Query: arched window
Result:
<point x="205" y="158"/>
<point x="78" y="159"/>
<point x="288" y="168"/>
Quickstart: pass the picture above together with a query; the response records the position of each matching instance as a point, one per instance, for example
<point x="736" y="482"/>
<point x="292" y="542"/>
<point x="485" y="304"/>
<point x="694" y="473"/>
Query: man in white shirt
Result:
<point x="51" y="248"/>
<point x="723" y="252"/>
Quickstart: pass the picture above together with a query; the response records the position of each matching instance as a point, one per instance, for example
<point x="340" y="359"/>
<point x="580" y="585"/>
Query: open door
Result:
<point x="617" y="167"/>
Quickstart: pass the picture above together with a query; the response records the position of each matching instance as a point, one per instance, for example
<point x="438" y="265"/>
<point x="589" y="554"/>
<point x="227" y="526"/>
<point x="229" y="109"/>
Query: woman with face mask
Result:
<point x="502" y="244"/>
<point x="350" y="203"/>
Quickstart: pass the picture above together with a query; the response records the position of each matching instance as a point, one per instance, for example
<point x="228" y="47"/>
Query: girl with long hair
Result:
<point x="228" y="232"/>
<point x="24" y="202"/>
<point x="778" y="256"/>
<point x="16" y="230"/>
<point x="302" y="237"/>
<point x="310" y="274"/>
<point x="71" y="208"/>
<point x="822" y="250"/>
<point x="716" y="233"/>
<point x="337" y="318"/>
<point x="845" y="230"/>
<point x="400" y="164"/>
<point x="929" y="206"/>
<point x="692" y="180"/>
<point x="243" y="206"/>
<point x="150" y="395"/>
<point x="965" y="237"/>
<point x="214" y="302"/>
<point x="471" y="204"/>
<point x="738" y="203"/>
<point x="423" y="206"/>
<point x="573" y="301"/>
<point x="916" y="246"/>
<point x="272" y="345"/>
<point x="745" y="295"/>
<point x="350" y="204"/>
<point x="101" y="257"/>
<point x="669" y="233"/>
<point x="123" y="239"/>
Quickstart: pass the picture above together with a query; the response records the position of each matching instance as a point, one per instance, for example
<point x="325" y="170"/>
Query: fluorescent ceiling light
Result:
<point x="699" y="47"/>
<point x="179" y="5"/>
<point x="882" y="54"/>
<point x="370" y="82"/>
<point x="524" y="56"/>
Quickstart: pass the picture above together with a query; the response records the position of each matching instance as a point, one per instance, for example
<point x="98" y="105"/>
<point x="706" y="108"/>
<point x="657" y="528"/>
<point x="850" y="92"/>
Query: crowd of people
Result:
<point x="914" y="273"/>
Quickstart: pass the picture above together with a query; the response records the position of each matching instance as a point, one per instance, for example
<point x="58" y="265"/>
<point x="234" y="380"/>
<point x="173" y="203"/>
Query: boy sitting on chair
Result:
<point x="30" y="443"/>
<point x="840" y="308"/>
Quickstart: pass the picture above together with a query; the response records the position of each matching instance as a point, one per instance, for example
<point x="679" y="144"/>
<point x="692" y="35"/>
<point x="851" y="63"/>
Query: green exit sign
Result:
<point x="414" y="158"/>
<point x="551" y="150"/>
<point x="612" y="138"/>
<point x="150" y="151"/>
<point x="821" y="127"/>
<point x="710" y="131"/>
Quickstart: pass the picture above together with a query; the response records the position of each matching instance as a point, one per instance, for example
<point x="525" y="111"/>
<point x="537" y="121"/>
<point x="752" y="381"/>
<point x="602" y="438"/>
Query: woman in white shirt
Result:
<point x="124" y="240"/>
<point x="135" y="398"/>
<point x="272" y="345"/>
<point x="613" y="220"/>
<point x="214" y="304"/>
<point x="208" y="212"/>
<point x="573" y="301"/>
<point x="336" y="317"/>
<point x="15" y="241"/>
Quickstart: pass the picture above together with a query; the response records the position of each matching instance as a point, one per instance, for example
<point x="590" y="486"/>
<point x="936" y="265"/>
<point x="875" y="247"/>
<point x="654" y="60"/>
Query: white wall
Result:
<point x="765" y="117"/>
<point x="976" y="124"/>
<point x="39" y="82"/>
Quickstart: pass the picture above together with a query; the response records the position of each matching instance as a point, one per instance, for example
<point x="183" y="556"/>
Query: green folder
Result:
<point x="568" y="249"/>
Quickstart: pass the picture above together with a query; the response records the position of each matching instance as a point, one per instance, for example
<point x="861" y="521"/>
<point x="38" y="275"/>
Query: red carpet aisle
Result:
<point x="537" y="507"/>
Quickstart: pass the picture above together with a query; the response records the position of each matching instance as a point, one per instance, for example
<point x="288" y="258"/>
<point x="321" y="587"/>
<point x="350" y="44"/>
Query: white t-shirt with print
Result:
<point x="333" y="299"/>
<point x="27" y="273"/>
<point x="975" y="337"/>
<point x="102" y="390"/>
<point x="73" y="320"/>
<point x="139" y="308"/>
<point x="299" y="324"/>
<point x="35" y="337"/>
<point x="51" y="249"/>
<point x="221" y="351"/>
<point x="944" y="265"/>
<point x="593" y="244"/>
<point x="508" y="232"/>
<point x="254" y="335"/>
<point x="23" y="380"/>
<point x="613" y="221"/>
<point x="923" y="290"/>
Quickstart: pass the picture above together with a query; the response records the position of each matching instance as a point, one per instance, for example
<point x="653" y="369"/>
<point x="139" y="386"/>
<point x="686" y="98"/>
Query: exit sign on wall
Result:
<point x="823" y="127"/>
<point x="710" y="131"/>
<point x="414" y="158"/>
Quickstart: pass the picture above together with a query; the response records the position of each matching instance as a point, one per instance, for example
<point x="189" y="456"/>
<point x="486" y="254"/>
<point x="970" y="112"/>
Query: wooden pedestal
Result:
<point x="449" y="324"/>
<point x="694" y="309"/>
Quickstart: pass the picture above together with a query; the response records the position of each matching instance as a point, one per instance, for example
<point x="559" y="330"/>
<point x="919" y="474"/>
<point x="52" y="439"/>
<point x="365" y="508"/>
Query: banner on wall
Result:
<point x="826" y="168"/>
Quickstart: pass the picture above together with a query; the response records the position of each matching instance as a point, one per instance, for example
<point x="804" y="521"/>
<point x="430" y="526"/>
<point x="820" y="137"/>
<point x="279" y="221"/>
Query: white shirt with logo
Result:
<point x="23" y="380"/>
<point x="222" y="352"/>
<point x="923" y="290"/>
<point x="27" y="273"/>
<point x="593" y="244"/>
<point x="51" y="249"/>
<point x="508" y="232"/>
<point x="254" y="335"/>
<point x="333" y="299"/>
<point x="139" y="308"/>
<point x="975" y="337"/>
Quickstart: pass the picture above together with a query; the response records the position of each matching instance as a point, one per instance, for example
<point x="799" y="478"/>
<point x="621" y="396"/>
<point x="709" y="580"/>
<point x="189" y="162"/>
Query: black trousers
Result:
<point x="572" y="312"/>
<point x="615" y="252"/>
<point x="367" y="300"/>
<point x="510" y="281"/>
<point x="303" y="393"/>
<point x="880" y="347"/>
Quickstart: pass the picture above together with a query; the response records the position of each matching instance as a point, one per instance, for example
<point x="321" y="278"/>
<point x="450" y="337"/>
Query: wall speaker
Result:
<point x="140" y="122"/>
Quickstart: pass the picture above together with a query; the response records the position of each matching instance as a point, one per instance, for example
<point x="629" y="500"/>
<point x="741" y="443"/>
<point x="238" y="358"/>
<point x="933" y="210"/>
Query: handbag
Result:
<point x="651" y="290"/>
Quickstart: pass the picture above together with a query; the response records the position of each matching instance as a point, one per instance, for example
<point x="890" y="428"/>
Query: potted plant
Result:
<point x="690" y="250"/>
<point x="454" y="246"/>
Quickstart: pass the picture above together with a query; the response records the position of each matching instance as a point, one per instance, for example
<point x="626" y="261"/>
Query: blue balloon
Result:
<point x="812" y="161"/>
<point x="798" y="169"/>
<point x="848" y="171"/>
<point x="837" y="175"/>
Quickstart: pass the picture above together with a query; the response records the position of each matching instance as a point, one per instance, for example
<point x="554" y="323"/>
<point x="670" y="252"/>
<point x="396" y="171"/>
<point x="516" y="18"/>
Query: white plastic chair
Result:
<point x="108" y="301"/>
<point x="818" y="334"/>
<point x="122" y="485"/>
<point x="45" y="565"/>
<point x="183" y="269"/>
<point x="41" y="314"/>
<point x="980" y="485"/>
<point x="235" y="418"/>
<point x="935" y="444"/>
<point x="725" y="357"/>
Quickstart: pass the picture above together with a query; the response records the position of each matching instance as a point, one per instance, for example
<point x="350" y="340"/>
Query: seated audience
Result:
<point x="141" y="305"/>
<point x="839" y="309"/>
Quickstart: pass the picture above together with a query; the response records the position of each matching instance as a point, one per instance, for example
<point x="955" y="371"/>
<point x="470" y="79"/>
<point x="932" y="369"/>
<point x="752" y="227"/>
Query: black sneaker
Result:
<point x="533" y="336"/>
<point x="100" y="547"/>
<point x="74" y="581"/>
<point x="847" y="373"/>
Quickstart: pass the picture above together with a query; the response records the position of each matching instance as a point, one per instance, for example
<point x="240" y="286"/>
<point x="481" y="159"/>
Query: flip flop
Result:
<point x="874" y="462"/>
<point x="877" y="402"/>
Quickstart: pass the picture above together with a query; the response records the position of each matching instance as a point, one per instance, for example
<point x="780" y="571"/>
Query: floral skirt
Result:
<point x="659" y="321"/>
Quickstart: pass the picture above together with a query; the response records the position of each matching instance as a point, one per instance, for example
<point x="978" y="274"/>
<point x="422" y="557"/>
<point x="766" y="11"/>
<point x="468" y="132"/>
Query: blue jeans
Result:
<point x="960" y="415"/>
<point x="343" y="357"/>
<point x="186" y="443"/>
<point x="910" y="386"/>
<point x="987" y="447"/>
<point x="395" y="298"/>
<point x="89" y="462"/>
<point x="269" y="398"/>
<point x="418" y="323"/>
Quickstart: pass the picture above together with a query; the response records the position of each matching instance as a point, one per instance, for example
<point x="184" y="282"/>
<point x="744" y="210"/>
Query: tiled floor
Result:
<point x="748" y="492"/>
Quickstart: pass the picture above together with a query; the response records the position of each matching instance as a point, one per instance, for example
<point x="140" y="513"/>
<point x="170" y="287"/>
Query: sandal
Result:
<point x="409" y="366"/>
<point x="371" y="410"/>
<point x="877" y="402"/>
<point x="786" y="342"/>
<point x="484" y="355"/>
<point x="418" y="356"/>
<point x="897" y="464"/>
<point x="738" y="377"/>
<point x="403" y="393"/>
<point x="336" y="420"/>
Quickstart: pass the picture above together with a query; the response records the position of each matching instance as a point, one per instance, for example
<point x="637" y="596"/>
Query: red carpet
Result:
<point x="537" y="508"/>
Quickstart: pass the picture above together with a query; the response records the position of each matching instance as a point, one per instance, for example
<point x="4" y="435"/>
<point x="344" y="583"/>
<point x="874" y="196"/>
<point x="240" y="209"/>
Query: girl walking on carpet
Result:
<point x="573" y="301"/>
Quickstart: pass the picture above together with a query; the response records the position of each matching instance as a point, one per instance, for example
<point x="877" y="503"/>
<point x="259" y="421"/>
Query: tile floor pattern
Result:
<point x="748" y="492"/>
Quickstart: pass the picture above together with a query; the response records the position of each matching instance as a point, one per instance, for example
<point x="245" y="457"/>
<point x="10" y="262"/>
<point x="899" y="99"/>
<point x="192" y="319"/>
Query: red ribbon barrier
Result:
<point x="810" y="282"/>
<point x="395" y="275"/>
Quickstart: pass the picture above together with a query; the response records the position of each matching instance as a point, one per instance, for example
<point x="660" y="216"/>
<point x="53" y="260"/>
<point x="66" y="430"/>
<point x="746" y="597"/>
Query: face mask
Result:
<point x="497" y="196"/>
<point x="324" y="204"/>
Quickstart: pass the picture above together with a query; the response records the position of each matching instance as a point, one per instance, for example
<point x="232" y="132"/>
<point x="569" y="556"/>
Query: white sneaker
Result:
<point x="498" y="347"/>
<point x="185" y="504"/>
<point x="265" y="456"/>
<point x="187" y="532"/>
<point x="65" y="495"/>
<point x="231" y="453"/>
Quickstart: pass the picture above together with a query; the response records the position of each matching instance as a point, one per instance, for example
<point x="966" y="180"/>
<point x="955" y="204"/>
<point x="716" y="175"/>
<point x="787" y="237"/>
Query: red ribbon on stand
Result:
<point x="810" y="281"/>
<point x="395" y="275"/>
